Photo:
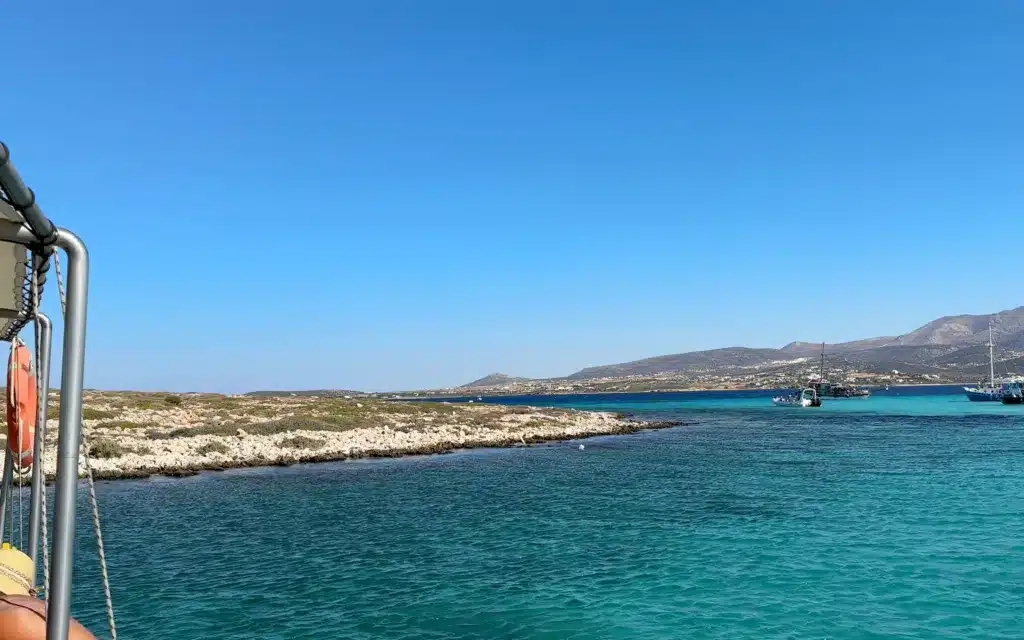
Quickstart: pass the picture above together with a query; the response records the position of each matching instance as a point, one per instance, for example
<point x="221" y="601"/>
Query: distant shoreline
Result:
<point x="441" y="448"/>
<point x="135" y="435"/>
<point x="483" y="394"/>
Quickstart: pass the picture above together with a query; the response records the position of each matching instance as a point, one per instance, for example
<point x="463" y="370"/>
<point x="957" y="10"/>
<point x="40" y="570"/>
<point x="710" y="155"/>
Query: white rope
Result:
<point x="92" y="485"/>
<point x="41" y="397"/>
<point x="46" y="548"/>
<point x="17" y="515"/>
<point x="9" y="488"/>
<point x="17" y="467"/>
<point x="12" y="400"/>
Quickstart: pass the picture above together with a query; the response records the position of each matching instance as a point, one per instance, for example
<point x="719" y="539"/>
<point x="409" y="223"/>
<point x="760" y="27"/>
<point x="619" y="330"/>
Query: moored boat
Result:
<point x="806" y="398"/>
<point x="838" y="391"/>
<point x="990" y="391"/>
<point x="984" y="393"/>
<point x="1013" y="393"/>
<point x="825" y="389"/>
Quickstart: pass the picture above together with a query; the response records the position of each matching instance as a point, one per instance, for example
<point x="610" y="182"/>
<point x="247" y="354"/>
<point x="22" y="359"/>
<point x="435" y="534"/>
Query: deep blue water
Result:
<point x="897" y="516"/>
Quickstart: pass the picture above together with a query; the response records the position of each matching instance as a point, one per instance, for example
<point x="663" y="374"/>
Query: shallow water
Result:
<point x="888" y="517"/>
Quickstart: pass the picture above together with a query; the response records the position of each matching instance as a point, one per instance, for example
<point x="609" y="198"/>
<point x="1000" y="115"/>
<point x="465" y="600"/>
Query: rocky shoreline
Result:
<point x="137" y="435"/>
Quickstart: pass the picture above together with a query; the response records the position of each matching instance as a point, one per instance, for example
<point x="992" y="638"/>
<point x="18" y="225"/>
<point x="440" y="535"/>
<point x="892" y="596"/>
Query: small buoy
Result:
<point x="581" y="447"/>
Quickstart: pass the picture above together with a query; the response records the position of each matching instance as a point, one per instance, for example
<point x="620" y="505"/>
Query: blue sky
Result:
<point x="398" y="194"/>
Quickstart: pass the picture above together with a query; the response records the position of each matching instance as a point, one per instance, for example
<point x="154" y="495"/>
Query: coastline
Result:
<point x="479" y="393"/>
<point x="135" y="435"/>
<point x="287" y="459"/>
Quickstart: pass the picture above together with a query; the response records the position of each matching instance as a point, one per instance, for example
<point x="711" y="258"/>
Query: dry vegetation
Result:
<point x="133" y="434"/>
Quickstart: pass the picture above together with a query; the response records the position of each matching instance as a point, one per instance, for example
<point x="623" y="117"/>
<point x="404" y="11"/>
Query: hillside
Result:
<point x="969" y="329"/>
<point x="493" y="380"/>
<point x="951" y="347"/>
<point x="951" y="342"/>
<point x="805" y="348"/>
<point x="713" y="359"/>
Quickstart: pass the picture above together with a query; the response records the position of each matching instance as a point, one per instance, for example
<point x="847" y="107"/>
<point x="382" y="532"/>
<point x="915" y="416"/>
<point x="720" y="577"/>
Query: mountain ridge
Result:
<point x="949" y="344"/>
<point x="493" y="379"/>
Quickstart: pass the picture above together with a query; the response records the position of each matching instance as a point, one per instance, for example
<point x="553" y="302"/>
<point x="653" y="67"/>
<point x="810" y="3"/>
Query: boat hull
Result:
<point x="779" y="402"/>
<point x="976" y="395"/>
<point x="838" y="391"/>
<point x="807" y="398"/>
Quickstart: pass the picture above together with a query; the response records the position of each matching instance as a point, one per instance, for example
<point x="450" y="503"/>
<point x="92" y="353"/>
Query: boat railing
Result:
<point x="28" y="239"/>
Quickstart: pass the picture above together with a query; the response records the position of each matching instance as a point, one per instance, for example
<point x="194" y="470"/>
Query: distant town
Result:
<point x="796" y="375"/>
<point x="948" y="350"/>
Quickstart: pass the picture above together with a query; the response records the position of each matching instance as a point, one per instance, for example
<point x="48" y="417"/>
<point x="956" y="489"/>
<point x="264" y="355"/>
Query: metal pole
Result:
<point x="23" y="199"/>
<point x="38" y="477"/>
<point x="17" y="233"/>
<point x="72" y="375"/>
<point x="6" y="482"/>
<point x="991" y="358"/>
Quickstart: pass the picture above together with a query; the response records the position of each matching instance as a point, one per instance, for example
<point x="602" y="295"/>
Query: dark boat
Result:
<point x="829" y="390"/>
<point x="1012" y="393"/>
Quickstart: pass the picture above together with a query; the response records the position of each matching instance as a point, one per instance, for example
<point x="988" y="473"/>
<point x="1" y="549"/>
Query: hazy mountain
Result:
<point x="951" y="342"/>
<point x="968" y="329"/>
<point x="713" y="359"/>
<point x="803" y="348"/>
<point x="493" y="380"/>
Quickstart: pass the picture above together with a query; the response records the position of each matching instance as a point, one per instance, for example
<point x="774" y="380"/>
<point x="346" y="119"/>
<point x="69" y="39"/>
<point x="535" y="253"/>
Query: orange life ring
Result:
<point x="21" y="405"/>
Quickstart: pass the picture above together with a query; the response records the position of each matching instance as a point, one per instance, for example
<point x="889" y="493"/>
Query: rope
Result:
<point x="92" y="484"/>
<point x="10" y="501"/>
<point x="40" y="398"/>
<point x="21" y="503"/>
<point x="16" y="467"/>
<point x="46" y="548"/>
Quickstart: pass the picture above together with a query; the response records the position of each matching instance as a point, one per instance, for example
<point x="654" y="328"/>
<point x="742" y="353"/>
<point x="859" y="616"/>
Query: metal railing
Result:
<point x="42" y="237"/>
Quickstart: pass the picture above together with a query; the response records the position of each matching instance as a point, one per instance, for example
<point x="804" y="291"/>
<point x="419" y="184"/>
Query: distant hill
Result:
<point x="493" y="380"/>
<point x="804" y="348"/>
<point x="968" y="329"/>
<point x="713" y="359"/>
<point x="320" y="393"/>
<point x="951" y="342"/>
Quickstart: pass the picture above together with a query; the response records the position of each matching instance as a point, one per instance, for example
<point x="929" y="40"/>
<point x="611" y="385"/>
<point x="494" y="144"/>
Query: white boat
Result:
<point x="990" y="391"/>
<point x="807" y="398"/>
<point x="984" y="393"/>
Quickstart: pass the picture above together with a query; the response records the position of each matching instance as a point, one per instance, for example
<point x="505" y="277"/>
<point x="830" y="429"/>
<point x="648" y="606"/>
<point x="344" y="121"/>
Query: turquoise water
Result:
<point x="898" y="517"/>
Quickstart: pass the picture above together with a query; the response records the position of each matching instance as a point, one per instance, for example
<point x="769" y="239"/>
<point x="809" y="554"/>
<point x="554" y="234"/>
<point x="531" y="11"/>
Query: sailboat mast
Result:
<point x="821" y="375"/>
<point x="991" y="357"/>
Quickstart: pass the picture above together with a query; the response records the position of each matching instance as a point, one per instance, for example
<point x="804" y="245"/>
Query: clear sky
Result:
<point x="396" y="194"/>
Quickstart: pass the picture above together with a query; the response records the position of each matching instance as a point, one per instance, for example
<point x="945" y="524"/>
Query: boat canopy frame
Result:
<point x="28" y="239"/>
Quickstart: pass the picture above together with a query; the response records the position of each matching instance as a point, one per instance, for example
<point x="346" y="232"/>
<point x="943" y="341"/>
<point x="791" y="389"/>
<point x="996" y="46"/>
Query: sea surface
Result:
<point x="896" y="516"/>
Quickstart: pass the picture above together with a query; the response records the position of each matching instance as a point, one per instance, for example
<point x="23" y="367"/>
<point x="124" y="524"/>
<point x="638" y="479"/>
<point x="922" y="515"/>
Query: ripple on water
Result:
<point x="747" y="524"/>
